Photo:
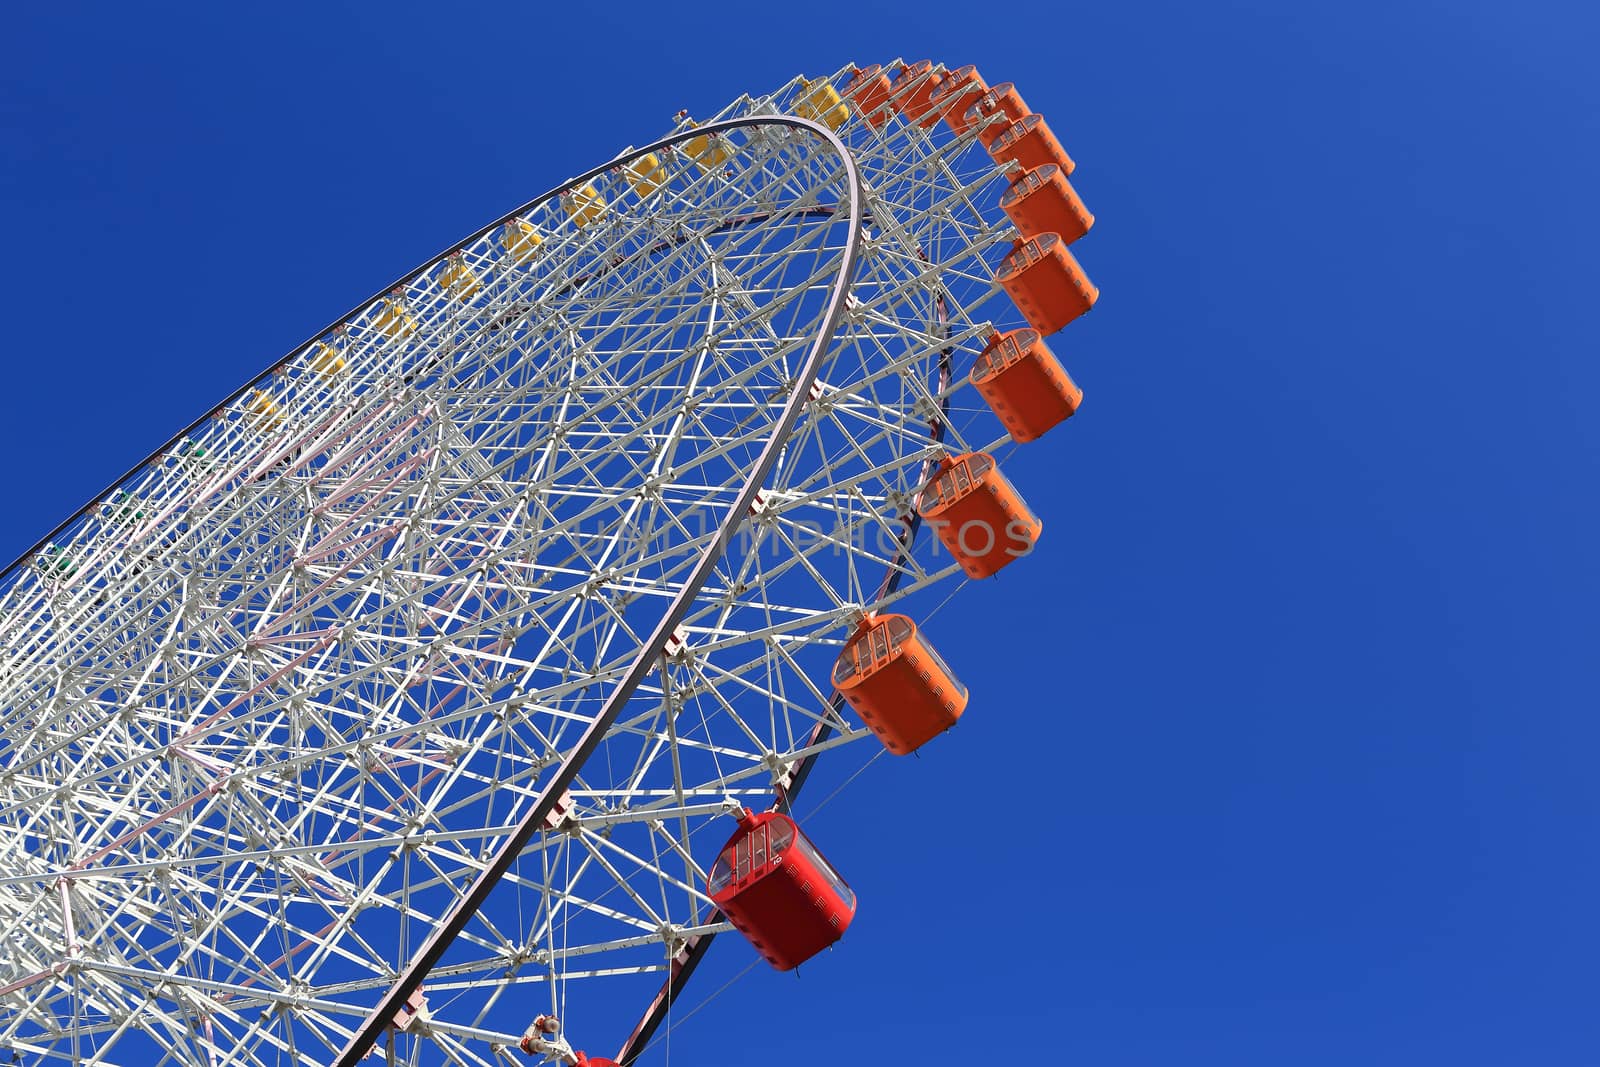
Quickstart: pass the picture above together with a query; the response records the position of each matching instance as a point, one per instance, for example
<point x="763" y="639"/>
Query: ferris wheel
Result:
<point x="443" y="693"/>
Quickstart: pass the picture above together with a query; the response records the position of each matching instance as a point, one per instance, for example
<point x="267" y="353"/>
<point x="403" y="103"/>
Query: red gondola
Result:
<point x="897" y="683"/>
<point x="778" y="890"/>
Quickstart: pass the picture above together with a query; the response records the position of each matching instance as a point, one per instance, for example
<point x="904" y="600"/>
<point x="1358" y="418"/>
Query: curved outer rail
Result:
<point x="475" y="897"/>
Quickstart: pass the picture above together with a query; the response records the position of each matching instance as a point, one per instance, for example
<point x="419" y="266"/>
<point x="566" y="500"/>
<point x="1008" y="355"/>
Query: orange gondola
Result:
<point x="1002" y="99"/>
<point x="977" y="515"/>
<point x="1043" y="201"/>
<point x="1025" y="384"/>
<point x="1046" y="283"/>
<point x="870" y="92"/>
<point x="896" y="682"/>
<point x="913" y="90"/>
<point x="956" y="92"/>
<point x="1030" y="142"/>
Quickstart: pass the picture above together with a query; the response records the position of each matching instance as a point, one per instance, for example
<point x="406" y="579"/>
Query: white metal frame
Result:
<point x="268" y="707"/>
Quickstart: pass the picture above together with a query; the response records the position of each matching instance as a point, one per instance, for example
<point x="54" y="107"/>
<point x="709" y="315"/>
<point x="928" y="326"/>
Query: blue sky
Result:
<point x="1280" y="750"/>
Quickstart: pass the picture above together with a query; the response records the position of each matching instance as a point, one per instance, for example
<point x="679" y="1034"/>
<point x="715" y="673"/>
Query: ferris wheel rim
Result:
<point x="10" y="569"/>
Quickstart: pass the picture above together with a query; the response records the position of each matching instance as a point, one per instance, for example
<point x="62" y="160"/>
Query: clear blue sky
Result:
<point x="1286" y="756"/>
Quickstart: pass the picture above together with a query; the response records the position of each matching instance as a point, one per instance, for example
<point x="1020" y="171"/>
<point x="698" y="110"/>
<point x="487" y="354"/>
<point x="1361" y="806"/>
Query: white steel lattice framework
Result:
<point x="564" y="530"/>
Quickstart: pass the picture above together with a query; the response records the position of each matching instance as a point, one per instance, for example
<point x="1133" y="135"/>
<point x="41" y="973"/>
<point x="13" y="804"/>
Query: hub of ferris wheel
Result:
<point x="463" y="668"/>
